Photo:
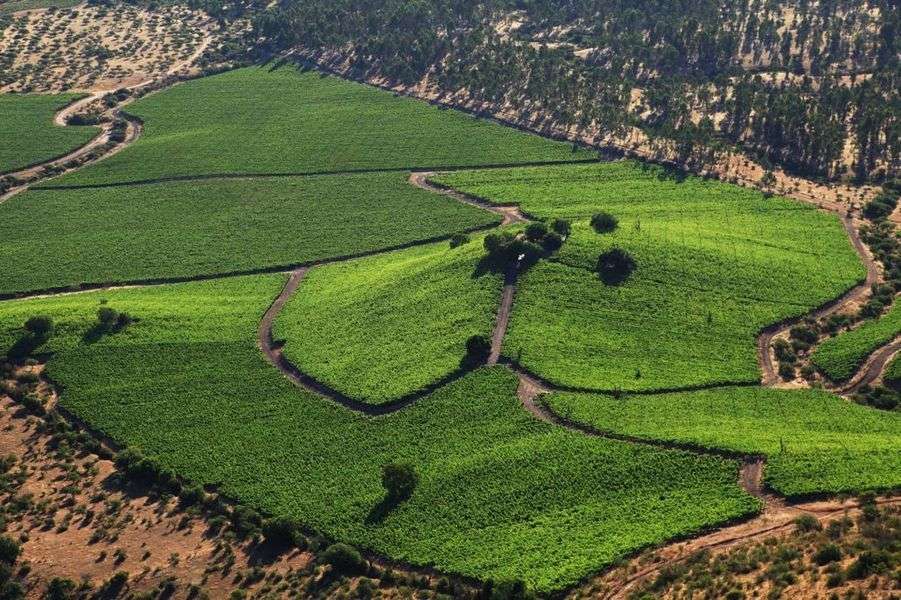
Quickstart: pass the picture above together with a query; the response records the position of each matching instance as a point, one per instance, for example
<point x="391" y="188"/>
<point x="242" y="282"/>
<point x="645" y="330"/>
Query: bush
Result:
<point x="478" y="349"/>
<point x="458" y="239"/>
<point x="511" y="590"/>
<point x="9" y="550"/>
<point x="12" y="590"/>
<point x="807" y="523"/>
<point x="870" y="562"/>
<point x="343" y="558"/>
<point x="246" y="521"/>
<point x="192" y="494"/>
<point x="60" y="589"/>
<point x="786" y="371"/>
<point x="803" y="333"/>
<point x="784" y="351"/>
<point x="281" y="531"/>
<point x="41" y="327"/>
<point x="604" y="222"/>
<point x="536" y="231"/>
<point x="399" y="480"/>
<point x="561" y="227"/>
<point x="106" y="316"/>
<point x="827" y="554"/>
<point x="615" y="266"/>
<point x="552" y="242"/>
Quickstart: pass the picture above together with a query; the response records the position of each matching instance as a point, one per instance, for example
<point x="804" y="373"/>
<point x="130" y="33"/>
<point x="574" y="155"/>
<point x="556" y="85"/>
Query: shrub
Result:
<point x="784" y="351"/>
<point x="192" y="494"/>
<point x="536" y="231"/>
<point x="807" y="523"/>
<point x="458" y="239"/>
<point x="615" y="266"/>
<point x="399" y="480"/>
<point x="246" y="521"/>
<point x="106" y="316"/>
<point x="561" y="226"/>
<point x="803" y="333"/>
<point x="60" y="589"/>
<point x="41" y="327"/>
<point x="827" y="554"/>
<point x="870" y="562"/>
<point x="786" y="371"/>
<point x="343" y="559"/>
<point x="281" y="531"/>
<point x="552" y="242"/>
<point x="604" y="222"/>
<point x="511" y="590"/>
<point x="478" y="349"/>
<point x="9" y="550"/>
<point x="12" y="590"/>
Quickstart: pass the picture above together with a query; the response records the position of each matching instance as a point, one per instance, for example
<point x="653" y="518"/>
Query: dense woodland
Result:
<point x="810" y="86"/>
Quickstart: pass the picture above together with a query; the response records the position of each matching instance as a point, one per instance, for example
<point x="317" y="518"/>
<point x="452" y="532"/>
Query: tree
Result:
<point x="552" y="242"/>
<point x="281" y="531"/>
<point x="615" y="266"/>
<point x="604" y="222"/>
<point x="40" y="327"/>
<point x="9" y="550"/>
<point x="561" y="226"/>
<point x="106" y="317"/>
<point x="399" y="480"/>
<point x="343" y="558"/>
<point x="478" y="349"/>
<point x="536" y="231"/>
<point x="60" y="589"/>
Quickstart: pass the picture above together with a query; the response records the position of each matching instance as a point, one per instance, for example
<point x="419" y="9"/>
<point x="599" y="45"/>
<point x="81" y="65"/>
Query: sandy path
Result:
<point x="872" y="368"/>
<point x="510" y="213"/>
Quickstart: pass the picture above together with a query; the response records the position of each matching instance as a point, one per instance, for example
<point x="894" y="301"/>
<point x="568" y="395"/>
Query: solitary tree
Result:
<point x="615" y="266"/>
<point x="399" y="480"/>
<point x="478" y="349"/>
<point x="604" y="222"/>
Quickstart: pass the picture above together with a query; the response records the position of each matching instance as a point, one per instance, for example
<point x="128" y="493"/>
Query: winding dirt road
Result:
<point x="872" y="368"/>
<point x="765" y="356"/>
<point x="511" y="213"/>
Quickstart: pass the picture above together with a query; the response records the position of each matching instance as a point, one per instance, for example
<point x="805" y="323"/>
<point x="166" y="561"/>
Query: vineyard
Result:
<point x="28" y="134"/>
<point x="268" y="121"/>
<point x="422" y="304"/>
<point x="715" y="264"/>
<point x="839" y="357"/>
<point x="187" y="229"/>
<point x="814" y="441"/>
<point x="493" y="480"/>
<point x="310" y="284"/>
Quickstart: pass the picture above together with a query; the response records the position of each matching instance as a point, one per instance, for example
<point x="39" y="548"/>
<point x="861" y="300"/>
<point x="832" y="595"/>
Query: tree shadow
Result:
<point x="379" y="512"/>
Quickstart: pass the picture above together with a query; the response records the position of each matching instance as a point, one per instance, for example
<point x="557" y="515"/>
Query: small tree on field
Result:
<point x="399" y="480"/>
<point x="478" y="349"/>
<point x="561" y="226"/>
<point x="536" y="231"/>
<point x="9" y="550"/>
<point x="604" y="222"/>
<point x="615" y="266"/>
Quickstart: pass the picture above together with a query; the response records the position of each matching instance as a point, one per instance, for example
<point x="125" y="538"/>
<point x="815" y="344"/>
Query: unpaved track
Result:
<point x="510" y="213"/>
<point x="765" y="356"/>
<point x="777" y="521"/>
<point x="872" y="368"/>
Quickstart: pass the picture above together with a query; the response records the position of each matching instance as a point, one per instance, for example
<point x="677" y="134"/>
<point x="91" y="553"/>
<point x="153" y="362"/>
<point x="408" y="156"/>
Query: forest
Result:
<point x="807" y="86"/>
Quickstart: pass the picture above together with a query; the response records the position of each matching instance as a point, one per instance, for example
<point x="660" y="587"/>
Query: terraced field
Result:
<point x="27" y="132"/>
<point x="260" y="120"/>
<point x="839" y="357"/>
<point x="186" y="229"/>
<point x="715" y="264"/>
<point x="380" y="328"/>
<point x="814" y="441"/>
<point x="259" y="170"/>
<point x="504" y="482"/>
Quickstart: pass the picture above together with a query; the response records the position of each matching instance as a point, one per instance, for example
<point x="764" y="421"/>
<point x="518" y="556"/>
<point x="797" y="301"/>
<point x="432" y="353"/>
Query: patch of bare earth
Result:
<point x="94" y="48"/>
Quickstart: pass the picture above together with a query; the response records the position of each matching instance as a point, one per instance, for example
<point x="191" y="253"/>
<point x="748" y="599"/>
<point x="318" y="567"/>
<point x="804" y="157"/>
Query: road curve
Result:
<point x="510" y="213"/>
<point x="765" y="356"/>
<point x="872" y="368"/>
